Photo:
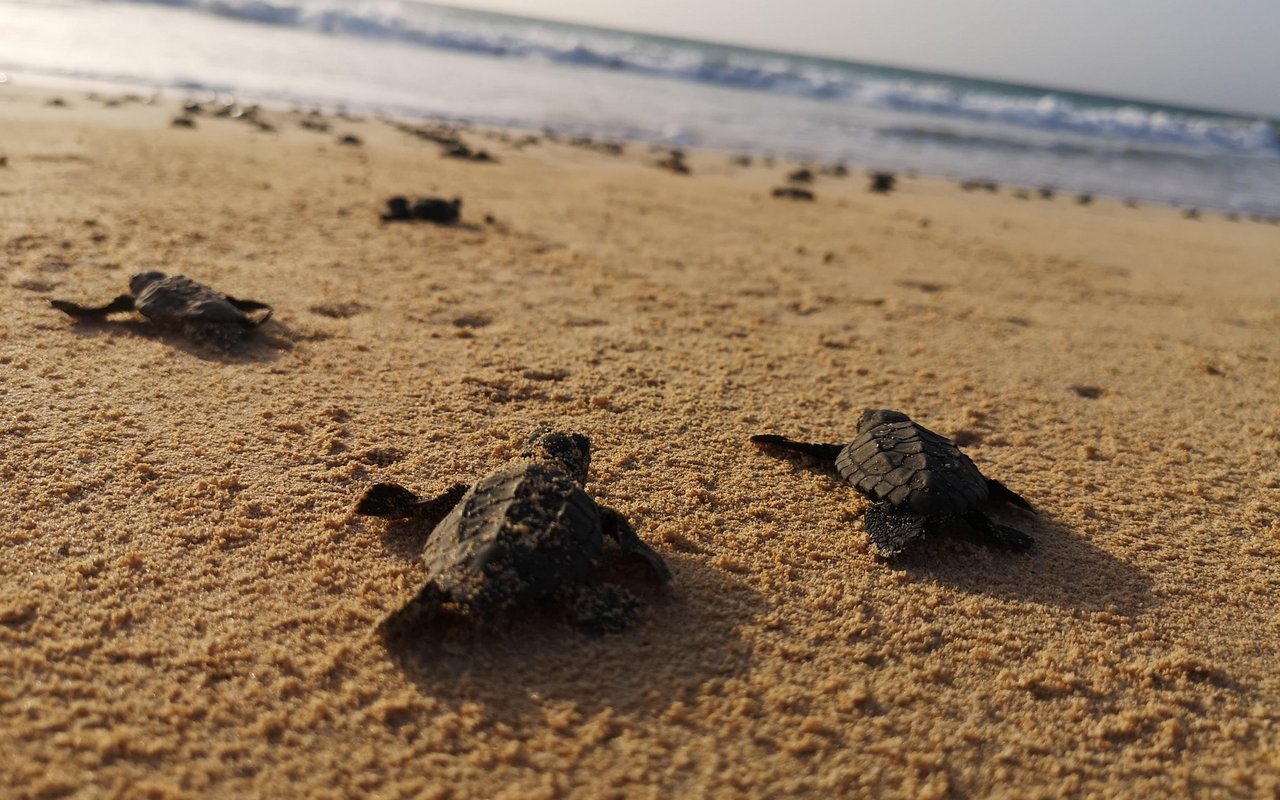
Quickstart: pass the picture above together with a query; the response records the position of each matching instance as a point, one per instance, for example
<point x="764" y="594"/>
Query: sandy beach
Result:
<point x="186" y="598"/>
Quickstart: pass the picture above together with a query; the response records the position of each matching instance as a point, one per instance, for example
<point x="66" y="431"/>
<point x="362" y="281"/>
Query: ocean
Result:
<point x="420" y="61"/>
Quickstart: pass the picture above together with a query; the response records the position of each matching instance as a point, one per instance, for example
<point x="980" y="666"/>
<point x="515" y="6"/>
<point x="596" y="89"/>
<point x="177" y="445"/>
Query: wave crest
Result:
<point x="739" y="68"/>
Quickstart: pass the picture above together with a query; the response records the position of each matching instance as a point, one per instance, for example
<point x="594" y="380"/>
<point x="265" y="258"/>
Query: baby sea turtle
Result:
<point x="427" y="209"/>
<point x="178" y="303"/>
<point x="523" y="533"/>
<point x="919" y="482"/>
<point x="882" y="182"/>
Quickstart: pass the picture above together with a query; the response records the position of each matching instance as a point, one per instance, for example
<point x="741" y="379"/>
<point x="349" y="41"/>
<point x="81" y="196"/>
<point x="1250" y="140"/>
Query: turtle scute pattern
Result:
<point x="514" y="537"/>
<point x="912" y="468"/>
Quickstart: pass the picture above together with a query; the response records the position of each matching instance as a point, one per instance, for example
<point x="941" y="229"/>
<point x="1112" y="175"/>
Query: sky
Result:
<point x="1216" y="54"/>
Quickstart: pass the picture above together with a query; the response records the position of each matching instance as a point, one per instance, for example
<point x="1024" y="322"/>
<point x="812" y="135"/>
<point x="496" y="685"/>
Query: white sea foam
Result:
<point x="410" y="59"/>
<point x="435" y="27"/>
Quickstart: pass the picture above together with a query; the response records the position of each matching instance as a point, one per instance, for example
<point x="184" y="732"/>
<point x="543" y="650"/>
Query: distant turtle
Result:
<point x="919" y="482"/>
<point x="523" y="533"/>
<point x="882" y="182"/>
<point x="178" y="303"/>
<point x="427" y="209"/>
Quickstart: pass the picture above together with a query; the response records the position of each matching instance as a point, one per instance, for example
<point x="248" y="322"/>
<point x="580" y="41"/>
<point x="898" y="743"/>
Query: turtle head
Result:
<point x="144" y="279"/>
<point x="875" y="417"/>
<point x="568" y="451"/>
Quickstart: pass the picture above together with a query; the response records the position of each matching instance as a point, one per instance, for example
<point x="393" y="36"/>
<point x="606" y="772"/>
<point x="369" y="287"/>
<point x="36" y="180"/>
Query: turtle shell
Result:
<point x="178" y="300"/>
<point x="912" y="468"/>
<point x="514" y="537"/>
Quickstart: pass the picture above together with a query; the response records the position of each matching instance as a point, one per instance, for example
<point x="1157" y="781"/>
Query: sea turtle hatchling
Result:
<point x="179" y="303"/>
<point x="523" y="533"/>
<point x="918" y="482"/>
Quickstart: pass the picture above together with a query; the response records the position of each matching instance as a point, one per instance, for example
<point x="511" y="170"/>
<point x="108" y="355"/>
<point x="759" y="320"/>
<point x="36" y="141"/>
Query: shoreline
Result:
<point x="186" y="597"/>
<point x="49" y="84"/>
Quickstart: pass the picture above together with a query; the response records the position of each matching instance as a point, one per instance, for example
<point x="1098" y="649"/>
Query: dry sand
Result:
<point x="186" y="598"/>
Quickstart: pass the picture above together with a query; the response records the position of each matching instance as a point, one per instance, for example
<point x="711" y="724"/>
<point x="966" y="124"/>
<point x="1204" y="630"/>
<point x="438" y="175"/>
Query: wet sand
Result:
<point x="186" y="598"/>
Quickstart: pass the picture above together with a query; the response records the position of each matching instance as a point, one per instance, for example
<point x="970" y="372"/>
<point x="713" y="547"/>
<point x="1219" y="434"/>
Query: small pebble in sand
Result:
<point x="462" y="152"/>
<point x="793" y="193"/>
<point x="803" y="175"/>
<point x="922" y="286"/>
<point x="351" y="140"/>
<point x="1087" y="392"/>
<point x="1084" y="199"/>
<point x="182" y="122"/>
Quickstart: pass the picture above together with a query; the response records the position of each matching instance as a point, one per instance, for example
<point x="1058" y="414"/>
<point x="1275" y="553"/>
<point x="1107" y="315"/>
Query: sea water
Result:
<point x="415" y="60"/>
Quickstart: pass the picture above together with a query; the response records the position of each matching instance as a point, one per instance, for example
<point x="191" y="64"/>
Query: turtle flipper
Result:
<point x="248" y="306"/>
<point x="437" y="508"/>
<point x="999" y="491"/>
<point x="822" y="452"/>
<point x="393" y="500"/>
<point x="122" y="303"/>
<point x="601" y="609"/>
<point x="412" y="614"/>
<point x="387" y="500"/>
<point x="616" y="527"/>
<point x="1001" y="536"/>
<point x="891" y="530"/>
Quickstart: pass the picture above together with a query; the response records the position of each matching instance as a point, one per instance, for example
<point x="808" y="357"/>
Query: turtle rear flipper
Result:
<point x="1001" y="536"/>
<point x="249" y="306"/>
<point x="822" y="452"/>
<point x="122" y="303"/>
<point x="999" y="491"/>
<point x="616" y="527"/>
<point x="891" y="530"/>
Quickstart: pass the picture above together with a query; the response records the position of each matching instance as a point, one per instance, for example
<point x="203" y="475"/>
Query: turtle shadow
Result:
<point x="1061" y="569"/>
<point x="685" y="636"/>
<point x="261" y="344"/>
<point x="405" y="538"/>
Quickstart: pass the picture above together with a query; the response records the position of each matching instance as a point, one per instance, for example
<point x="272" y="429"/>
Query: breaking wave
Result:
<point x="497" y="35"/>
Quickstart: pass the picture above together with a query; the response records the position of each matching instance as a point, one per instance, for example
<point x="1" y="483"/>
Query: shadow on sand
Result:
<point x="685" y="635"/>
<point x="260" y="345"/>
<point x="1061" y="569"/>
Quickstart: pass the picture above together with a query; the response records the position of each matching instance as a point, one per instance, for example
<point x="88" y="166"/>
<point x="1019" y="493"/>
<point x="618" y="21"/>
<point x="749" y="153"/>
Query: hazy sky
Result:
<point x="1222" y="54"/>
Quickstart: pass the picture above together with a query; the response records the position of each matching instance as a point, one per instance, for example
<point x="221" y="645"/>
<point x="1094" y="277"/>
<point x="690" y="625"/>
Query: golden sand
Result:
<point x="186" y="597"/>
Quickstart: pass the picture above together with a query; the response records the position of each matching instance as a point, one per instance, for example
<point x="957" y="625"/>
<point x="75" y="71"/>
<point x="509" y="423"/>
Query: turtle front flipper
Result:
<point x="409" y="617"/>
<point x="999" y="491"/>
<point x="122" y="303"/>
<point x="397" y="502"/>
<point x="822" y="452"/>
<point x="1001" y="536"/>
<point x="891" y="530"/>
<point x="387" y="500"/>
<point x="249" y="306"/>
<point x="615" y="526"/>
